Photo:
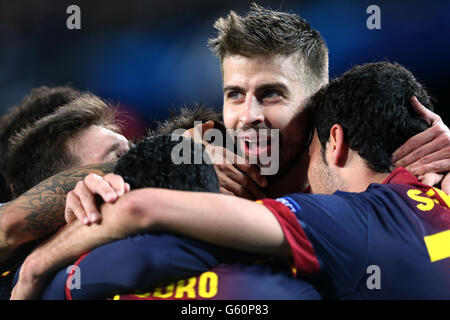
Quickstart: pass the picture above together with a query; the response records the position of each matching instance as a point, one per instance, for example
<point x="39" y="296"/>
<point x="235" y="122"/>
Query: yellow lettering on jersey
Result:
<point x="438" y="245"/>
<point x="426" y="203"/>
<point x="188" y="288"/>
<point x="169" y="292"/>
<point x="443" y="196"/>
<point x="206" y="278"/>
<point x="431" y="193"/>
<point x="142" y="295"/>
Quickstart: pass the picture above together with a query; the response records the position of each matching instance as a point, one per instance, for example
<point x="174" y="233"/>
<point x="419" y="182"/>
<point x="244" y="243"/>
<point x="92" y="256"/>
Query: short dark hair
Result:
<point x="372" y="103"/>
<point x="40" y="150"/>
<point x="265" y="32"/>
<point x="149" y="164"/>
<point x="38" y="103"/>
<point x="185" y="117"/>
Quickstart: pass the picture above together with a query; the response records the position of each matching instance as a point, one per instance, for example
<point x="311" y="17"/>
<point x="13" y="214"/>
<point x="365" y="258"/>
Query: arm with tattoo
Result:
<point x="40" y="210"/>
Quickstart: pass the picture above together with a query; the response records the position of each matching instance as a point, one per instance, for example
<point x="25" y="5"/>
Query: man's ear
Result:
<point x="338" y="146"/>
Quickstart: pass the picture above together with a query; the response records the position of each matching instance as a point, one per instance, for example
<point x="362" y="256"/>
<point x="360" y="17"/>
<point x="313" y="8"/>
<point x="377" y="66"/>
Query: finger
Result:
<point x="430" y="158"/>
<point x="251" y="170"/>
<point x="426" y="114"/>
<point x="199" y="130"/>
<point x="116" y="182"/>
<point x="241" y="180"/>
<point x="225" y="191"/>
<point x="226" y="160"/>
<point x="254" y="172"/>
<point x="74" y="207"/>
<point x="431" y="179"/>
<point x="207" y="125"/>
<point x="435" y="166"/>
<point x="413" y="143"/>
<point x="420" y="155"/>
<point x="97" y="185"/>
<point x="127" y="187"/>
<point x="235" y="188"/>
<point x="87" y="200"/>
<point x="245" y="181"/>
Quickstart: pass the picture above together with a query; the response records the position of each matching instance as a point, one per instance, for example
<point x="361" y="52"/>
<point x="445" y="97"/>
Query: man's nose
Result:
<point x="253" y="112"/>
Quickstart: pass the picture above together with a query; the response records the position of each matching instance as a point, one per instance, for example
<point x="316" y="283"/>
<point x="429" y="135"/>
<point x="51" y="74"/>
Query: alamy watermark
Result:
<point x="74" y="279"/>
<point x="73" y="22"/>
<point x="374" y="280"/>
<point x="374" y="20"/>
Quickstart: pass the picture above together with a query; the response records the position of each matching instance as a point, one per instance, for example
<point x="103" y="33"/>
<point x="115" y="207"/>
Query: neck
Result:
<point x="359" y="179"/>
<point x="293" y="180"/>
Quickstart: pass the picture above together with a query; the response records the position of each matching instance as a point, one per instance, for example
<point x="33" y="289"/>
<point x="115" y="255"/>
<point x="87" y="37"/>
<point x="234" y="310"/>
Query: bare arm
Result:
<point x="219" y="219"/>
<point x="67" y="245"/>
<point x="214" y="218"/>
<point x="58" y="251"/>
<point x="40" y="210"/>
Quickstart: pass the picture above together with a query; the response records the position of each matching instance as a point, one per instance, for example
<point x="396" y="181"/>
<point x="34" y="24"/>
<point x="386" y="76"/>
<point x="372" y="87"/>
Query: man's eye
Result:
<point x="271" y="95"/>
<point x="118" y="155"/>
<point x="234" y="95"/>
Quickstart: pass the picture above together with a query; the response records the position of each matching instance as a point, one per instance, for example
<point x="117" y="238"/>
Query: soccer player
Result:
<point x="77" y="134"/>
<point x="83" y="132"/>
<point x="271" y="63"/>
<point x="388" y="220"/>
<point x="38" y="103"/>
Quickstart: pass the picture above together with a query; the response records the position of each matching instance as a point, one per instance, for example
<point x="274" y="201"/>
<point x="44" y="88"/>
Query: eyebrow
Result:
<point x="232" y="88"/>
<point x="275" y="85"/>
<point x="114" y="147"/>
<point x="263" y="87"/>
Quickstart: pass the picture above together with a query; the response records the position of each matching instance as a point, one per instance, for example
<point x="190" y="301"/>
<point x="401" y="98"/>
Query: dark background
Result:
<point x="151" y="56"/>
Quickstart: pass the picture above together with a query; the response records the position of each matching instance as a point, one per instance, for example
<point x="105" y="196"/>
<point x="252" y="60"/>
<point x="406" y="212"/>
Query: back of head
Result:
<point x="150" y="164"/>
<point x="35" y="105"/>
<point x="185" y="118"/>
<point x="372" y="103"/>
<point x="41" y="149"/>
<point x="265" y="32"/>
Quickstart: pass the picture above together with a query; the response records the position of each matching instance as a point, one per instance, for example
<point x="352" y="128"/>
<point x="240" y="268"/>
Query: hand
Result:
<point x="235" y="175"/>
<point x="198" y="131"/>
<point x="438" y="180"/>
<point x="29" y="285"/>
<point x="428" y="151"/>
<point x="80" y="202"/>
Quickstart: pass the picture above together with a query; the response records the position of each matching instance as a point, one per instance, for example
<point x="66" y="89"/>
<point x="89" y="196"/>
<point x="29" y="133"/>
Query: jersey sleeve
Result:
<point x="137" y="263"/>
<point x="326" y="233"/>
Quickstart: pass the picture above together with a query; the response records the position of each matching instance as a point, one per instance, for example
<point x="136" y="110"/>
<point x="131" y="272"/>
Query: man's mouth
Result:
<point x="256" y="145"/>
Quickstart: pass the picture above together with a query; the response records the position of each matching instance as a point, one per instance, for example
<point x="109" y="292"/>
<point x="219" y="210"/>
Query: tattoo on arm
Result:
<point x="45" y="203"/>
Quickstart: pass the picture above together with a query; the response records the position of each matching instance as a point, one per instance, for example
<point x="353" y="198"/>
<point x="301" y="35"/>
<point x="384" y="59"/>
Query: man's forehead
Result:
<point x="259" y="70"/>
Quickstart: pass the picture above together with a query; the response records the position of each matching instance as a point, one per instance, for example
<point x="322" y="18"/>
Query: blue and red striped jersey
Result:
<point x="390" y="242"/>
<point x="164" y="266"/>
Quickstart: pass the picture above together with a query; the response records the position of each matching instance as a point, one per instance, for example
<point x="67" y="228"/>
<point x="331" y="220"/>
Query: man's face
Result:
<point x="265" y="93"/>
<point x="97" y="145"/>
<point x="321" y="177"/>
